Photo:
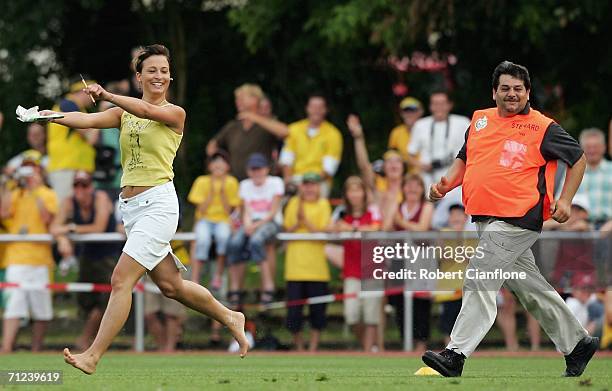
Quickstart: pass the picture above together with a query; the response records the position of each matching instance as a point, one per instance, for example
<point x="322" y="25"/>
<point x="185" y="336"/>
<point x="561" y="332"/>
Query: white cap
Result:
<point x="581" y="201"/>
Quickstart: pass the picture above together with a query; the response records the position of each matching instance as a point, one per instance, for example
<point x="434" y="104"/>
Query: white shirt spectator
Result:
<point x="441" y="213"/>
<point x="437" y="141"/>
<point x="259" y="198"/>
<point x="579" y="309"/>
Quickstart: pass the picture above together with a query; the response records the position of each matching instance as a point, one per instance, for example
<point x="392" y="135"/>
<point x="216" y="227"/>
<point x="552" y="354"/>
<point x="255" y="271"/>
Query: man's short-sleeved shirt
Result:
<point x="437" y="140"/>
<point x="399" y="139"/>
<point x="26" y="219"/>
<point x="597" y="185"/>
<point x="241" y="143"/>
<point x="66" y="148"/>
<point x="312" y="150"/>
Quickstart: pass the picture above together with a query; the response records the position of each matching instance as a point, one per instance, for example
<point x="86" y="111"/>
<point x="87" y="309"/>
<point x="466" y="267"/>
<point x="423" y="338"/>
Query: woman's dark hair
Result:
<point x="512" y="69"/>
<point x="148" y="51"/>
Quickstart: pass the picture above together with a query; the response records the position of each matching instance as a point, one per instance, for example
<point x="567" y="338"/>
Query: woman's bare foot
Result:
<point x="84" y="362"/>
<point x="235" y="323"/>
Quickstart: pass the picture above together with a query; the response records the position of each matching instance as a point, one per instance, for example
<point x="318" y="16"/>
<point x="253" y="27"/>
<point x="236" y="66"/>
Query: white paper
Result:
<point x="32" y="114"/>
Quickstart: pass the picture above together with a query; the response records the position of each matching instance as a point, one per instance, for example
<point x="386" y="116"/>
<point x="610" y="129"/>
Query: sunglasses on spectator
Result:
<point x="410" y="109"/>
<point x="82" y="184"/>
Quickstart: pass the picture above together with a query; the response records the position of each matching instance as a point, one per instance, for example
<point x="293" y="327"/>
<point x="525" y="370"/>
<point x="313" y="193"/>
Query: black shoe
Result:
<point x="578" y="359"/>
<point x="447" y="362"/>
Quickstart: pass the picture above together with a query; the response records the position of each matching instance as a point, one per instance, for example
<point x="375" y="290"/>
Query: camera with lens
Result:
<point x="441" y="163"/>
<point x="4" y="180"/>
<point x="22" y="174"/>
<point x="291" y="189"/>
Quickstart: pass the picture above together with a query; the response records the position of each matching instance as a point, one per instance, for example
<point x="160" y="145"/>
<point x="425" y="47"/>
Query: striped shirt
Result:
<point x="597" y="185"/>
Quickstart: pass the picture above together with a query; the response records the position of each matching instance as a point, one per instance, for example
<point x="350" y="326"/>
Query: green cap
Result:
<point x="311" y="177"/>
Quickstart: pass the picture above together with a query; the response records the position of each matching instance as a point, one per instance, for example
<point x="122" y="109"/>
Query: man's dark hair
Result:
<point x="512" y="69"/>
<point x="148" y="51"/>
<point x="442" y="91"/>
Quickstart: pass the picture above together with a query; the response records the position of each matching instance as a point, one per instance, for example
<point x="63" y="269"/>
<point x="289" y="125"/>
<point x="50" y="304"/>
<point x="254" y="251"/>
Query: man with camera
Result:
<point x="28" y="206"/>
<point x="437" y="138"/>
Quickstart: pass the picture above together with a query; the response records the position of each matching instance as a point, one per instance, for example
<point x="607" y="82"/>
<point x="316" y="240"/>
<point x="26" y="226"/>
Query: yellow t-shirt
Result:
<point x="305" y="260"/>
<point x="25" y="218"/>
<point x="66" y="148"/>
<point x="148" y="149"/>
<point x="309" y="151"/>
<point x="399" y="140"/>
<point x="381" y="185"/>
<point x="201" y="189"/>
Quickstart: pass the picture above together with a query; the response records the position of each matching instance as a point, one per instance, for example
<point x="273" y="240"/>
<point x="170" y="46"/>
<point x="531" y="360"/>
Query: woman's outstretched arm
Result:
<point x="110" y="118"/>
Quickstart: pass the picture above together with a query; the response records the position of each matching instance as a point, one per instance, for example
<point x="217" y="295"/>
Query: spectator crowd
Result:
<point x="262" y="177"/>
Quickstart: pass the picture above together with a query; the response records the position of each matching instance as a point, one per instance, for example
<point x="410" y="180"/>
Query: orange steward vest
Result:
<point x="504" y="165"/>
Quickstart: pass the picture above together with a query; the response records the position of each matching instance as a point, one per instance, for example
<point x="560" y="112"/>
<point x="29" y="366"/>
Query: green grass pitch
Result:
<point x="191" y="371"/>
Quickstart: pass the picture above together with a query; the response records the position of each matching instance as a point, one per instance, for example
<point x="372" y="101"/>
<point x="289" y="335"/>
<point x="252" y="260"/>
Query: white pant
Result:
<point x="356" y="309"/>
<point x="508" y="247"/>
<point x="23" y="303"/>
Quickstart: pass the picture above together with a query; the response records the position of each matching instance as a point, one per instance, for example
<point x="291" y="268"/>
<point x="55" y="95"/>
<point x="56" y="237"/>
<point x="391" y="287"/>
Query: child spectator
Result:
<point x="306" y="269"/>
<point x="414" y="214"/>
<point x="585" y="305"/>
<point x="362" y="315"/>
<point x="215" y="197"/>
<point x="261" y="220"/>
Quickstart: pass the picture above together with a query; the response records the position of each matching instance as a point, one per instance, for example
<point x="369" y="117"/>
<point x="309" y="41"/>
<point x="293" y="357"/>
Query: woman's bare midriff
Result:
<point x="132" y="191"/>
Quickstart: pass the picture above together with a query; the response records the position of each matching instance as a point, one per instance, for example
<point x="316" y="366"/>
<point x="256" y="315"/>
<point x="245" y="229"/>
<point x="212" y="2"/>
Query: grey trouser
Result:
<point x="508" y="248"/>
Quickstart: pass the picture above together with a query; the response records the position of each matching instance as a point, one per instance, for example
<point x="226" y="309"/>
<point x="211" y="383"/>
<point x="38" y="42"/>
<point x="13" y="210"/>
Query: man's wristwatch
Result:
<point x="72" y="228"/>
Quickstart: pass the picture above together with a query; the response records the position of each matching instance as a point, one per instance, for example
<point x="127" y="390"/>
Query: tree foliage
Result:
<point x="340" y="48"/>
<point x="562" y="42"/>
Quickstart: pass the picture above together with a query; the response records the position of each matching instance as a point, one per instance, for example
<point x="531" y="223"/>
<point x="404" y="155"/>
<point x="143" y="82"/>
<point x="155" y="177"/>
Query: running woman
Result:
<point x="151" y="132"/>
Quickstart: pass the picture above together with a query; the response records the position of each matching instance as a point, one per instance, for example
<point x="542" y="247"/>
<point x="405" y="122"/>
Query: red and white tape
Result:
<point x="93" y="287"/>
<point x="64" y="286"/>
<point x="325" y="299"/>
